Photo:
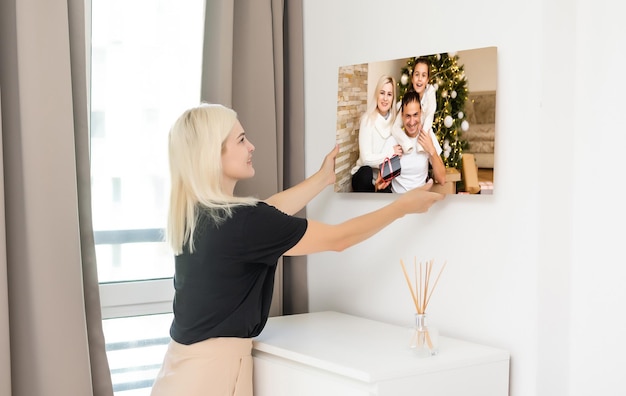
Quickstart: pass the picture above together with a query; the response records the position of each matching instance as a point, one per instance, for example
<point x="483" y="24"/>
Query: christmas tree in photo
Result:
<point x="448" y="77"/>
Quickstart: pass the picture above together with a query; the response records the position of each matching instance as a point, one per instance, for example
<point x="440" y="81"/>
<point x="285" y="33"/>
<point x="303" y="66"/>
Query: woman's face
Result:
<point x="385" y="98"/>
<point x="420" y="78"/>
<point x="237" y="155"/>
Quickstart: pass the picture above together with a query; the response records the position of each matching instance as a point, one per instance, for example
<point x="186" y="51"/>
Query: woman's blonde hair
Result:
<point x="196" y="143"/>
<point x="372" y="110"/>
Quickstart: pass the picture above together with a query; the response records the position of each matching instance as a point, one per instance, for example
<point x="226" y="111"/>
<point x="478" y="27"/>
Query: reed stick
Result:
<point x="421" y="292"/>
<point x="425" y="286"/>
<point x="408" y="281"/>
<point x="436" y="281"/>
<point x="419" y="295"/>
<point x="428" y="340"/>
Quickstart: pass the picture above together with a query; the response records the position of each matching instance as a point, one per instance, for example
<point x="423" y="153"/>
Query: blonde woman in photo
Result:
<point x="374" y="132"/>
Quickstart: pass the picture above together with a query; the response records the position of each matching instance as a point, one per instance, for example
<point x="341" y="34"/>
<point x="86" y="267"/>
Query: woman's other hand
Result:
<point x="420" y="199"/>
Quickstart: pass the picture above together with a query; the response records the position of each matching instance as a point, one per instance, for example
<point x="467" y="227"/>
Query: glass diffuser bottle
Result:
<point x="425" y="339"/>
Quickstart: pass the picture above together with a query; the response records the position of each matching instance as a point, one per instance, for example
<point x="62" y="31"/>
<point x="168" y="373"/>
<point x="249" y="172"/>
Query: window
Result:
<point x="145" y="69"/>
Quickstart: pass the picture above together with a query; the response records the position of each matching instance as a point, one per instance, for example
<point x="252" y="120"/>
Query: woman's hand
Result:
<point x="397" y="150"/>
<point x="419" y="200"/>
<point x="327" y="170"/>
<point x="295" y="198"/>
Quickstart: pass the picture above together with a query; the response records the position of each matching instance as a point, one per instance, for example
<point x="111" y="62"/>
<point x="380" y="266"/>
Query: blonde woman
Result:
<point x="226" y="249"/>
<point x="374" y="132"/>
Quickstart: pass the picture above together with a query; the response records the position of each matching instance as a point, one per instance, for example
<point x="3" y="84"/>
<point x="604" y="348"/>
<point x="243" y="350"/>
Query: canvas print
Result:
<point x="405" y="121"/>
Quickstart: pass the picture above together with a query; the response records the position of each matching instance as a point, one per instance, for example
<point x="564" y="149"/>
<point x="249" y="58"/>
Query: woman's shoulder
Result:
<point x="261" y="209"/>
<point x="218" y="215"/>
<point x="270" y="221"/>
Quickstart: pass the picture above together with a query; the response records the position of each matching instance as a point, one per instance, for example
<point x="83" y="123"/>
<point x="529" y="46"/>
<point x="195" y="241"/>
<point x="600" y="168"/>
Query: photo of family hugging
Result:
<point x="404" y="122"/>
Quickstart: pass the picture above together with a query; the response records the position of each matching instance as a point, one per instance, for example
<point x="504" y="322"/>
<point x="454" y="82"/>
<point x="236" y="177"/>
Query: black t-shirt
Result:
<point x="224" y="289"/>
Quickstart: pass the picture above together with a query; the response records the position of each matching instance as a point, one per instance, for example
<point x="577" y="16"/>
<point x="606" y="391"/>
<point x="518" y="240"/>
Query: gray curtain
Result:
<point x="253" y="62"/>
<point x="51" y="334"/>
<point x="296" y="294"/>
<point x="5" y="341"/>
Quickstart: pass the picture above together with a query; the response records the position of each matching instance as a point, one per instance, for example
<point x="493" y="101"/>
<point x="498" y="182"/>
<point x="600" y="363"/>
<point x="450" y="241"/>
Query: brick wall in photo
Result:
<point x="351" y="104"/>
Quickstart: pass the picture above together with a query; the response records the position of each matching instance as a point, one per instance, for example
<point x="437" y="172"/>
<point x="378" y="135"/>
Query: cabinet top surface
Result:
<point x="363" y="349"/>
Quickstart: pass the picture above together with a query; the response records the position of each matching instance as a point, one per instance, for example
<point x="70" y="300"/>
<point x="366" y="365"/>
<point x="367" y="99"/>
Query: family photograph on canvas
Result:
<point x="403" y="122"/>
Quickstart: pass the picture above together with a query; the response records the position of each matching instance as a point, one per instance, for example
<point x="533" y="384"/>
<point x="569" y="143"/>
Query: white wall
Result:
<point x="598" y="271"/>
<point x="535" y="268"/>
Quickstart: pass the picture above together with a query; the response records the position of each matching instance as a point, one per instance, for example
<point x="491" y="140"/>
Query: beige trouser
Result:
<point x="214" y="367"/>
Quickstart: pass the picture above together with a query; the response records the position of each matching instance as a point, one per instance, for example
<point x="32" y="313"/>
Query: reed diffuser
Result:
<point x="424" y="339"/>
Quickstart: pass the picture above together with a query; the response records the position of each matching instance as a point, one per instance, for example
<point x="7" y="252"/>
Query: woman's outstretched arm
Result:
<point x="321" y="237"/>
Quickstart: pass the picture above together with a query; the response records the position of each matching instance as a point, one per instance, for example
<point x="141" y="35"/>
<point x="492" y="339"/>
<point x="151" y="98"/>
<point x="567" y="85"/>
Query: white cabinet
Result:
<point x="330" y="353"/>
